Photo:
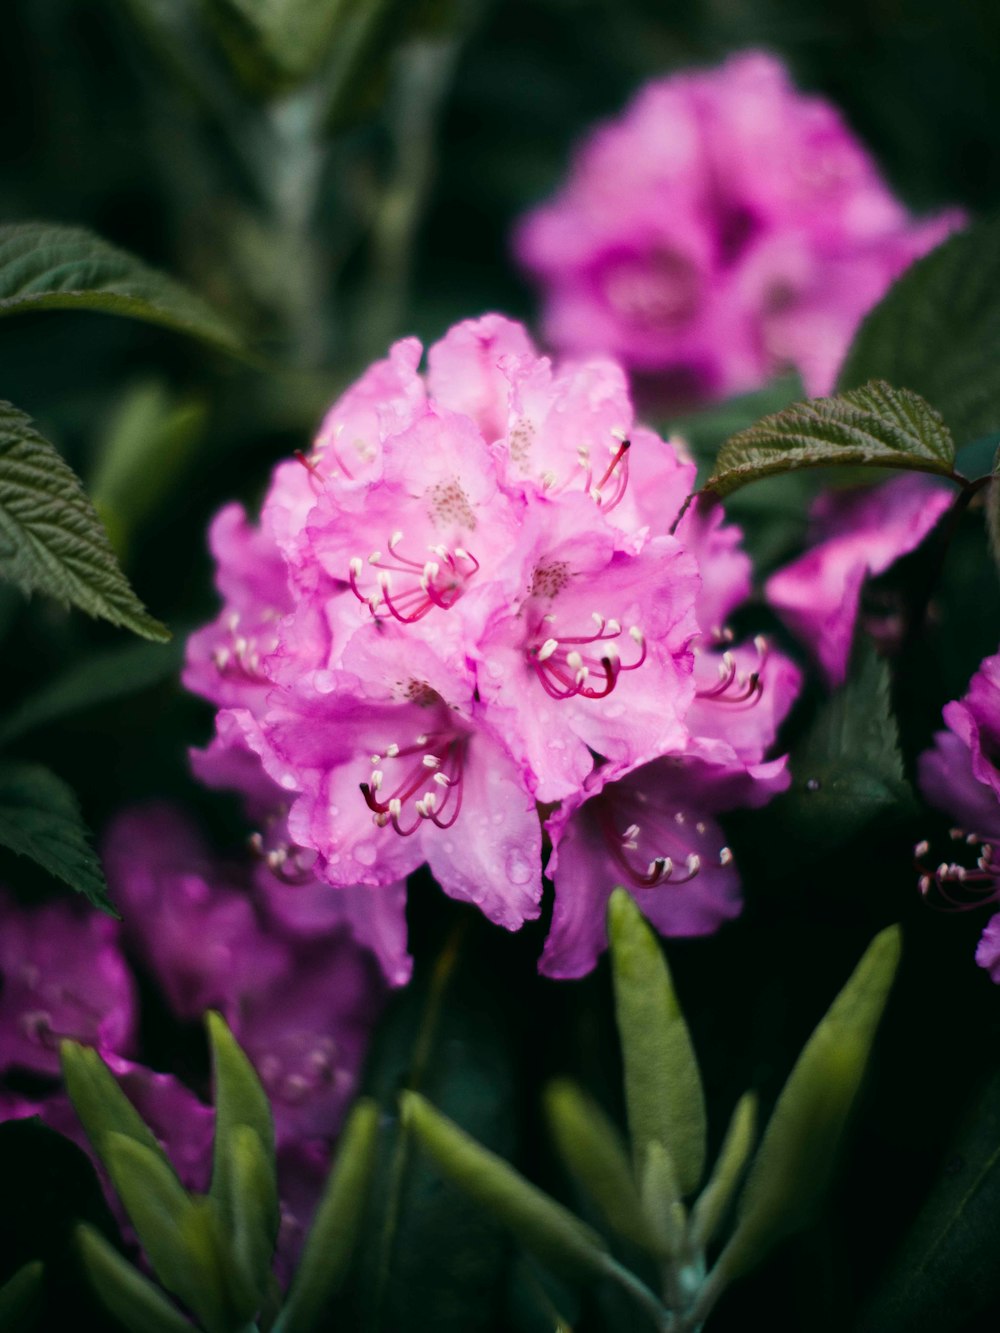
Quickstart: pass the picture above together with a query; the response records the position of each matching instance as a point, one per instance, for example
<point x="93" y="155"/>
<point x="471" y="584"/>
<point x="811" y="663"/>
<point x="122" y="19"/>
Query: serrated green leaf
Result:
<point x="51" y="540"/>
<point x="872" y="426"/>
<point x="543" y="1226"/>
<point x="99" y="1101"/>
<point x="595" y="1154"/>
<point x="181" y="1234"/>
<point x="663" y="1091"/>
<point x="848" y="770"/>
<point x="40" y="818"/>
<point x="46" y="266"/>
<point x="239" y="1100"/>
<point x="21" y="1297"/>
<point x="100" y="679"/>
<point x="715" y="1198"/>
<point x="937" y="331"/>
<point x="797" y="1155"/>
<point x="334" y="1231"/>
<point x="129" y="1296"/>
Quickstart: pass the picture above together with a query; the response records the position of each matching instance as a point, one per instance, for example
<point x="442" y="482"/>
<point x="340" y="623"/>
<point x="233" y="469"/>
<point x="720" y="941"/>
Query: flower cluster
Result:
<point x="960" y="775"/>
<point x="466" y="602"/>
<point x="302" y="1006"/>
<point x="725" y="227"/>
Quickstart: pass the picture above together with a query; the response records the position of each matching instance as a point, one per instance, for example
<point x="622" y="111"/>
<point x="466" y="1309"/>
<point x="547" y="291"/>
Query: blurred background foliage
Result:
<point x="334" y="192"/>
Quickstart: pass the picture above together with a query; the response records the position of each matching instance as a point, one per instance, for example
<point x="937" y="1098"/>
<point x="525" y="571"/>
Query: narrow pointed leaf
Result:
<point x="21" y="1298"/>
<point x="872" y="426"/>
<point x="129" y="1296"/>
<point x="239" y="1100"/>
<point x="937" y="330"/>
<point x="715" y="1198"/>
<point x="180" y="1234"/>
<point x="596" y="1156"/>
<point x="543" y="1226"/>
<point x="795" y="1161"/>
<point x="255" y="1223"/>
<point x="334" y="1231"/>
<point x="51" y="540"/>
<point x="126" y="669"/>
<point x="46" y="266"/>
<point x="40" y="818"/>
<point x="663" y="1089"/>
<point x="661" y="1198"/>
<point x="100" y="1103"/>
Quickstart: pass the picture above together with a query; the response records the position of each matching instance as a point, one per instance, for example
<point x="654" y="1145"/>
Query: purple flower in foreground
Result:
<point x="856" y="534"/>
<point x="725" y="226"/>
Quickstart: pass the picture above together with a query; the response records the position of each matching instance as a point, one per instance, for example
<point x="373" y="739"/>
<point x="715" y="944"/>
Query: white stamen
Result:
<point x="394" y="540"/>
<point x="725" y="857"/>
<point x="693" y="863"/>
<point x="431" y="761"/>
<point x="547" y="649"/>
<point x="356" y="565"/>
<point x="635" y="633"/>
<point x="442" y="779"/>
<point x="392" y="750"/>
<point x="395" y="807"/>
<point x="375" y="557"/>
<point x="574" y="661"/>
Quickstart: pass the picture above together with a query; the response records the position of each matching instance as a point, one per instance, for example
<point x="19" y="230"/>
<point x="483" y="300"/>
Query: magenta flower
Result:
<point x="481" y="603"/>
<point x="654" y="831"/>
<point x="959" y="775"/>
<point x="61" y="975"/>
<point x="302" y="1008"/>
<point x="723" y="228"/>
<point x="856" y="534"/>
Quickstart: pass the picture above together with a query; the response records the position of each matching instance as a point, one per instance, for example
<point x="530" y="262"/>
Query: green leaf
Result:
<point x="51" y="540"/>
<point x="46" y="266"/>
<point x="543" y="1226"/>
<point x="131" y="1298"/>
<point x="596" y="1156"/>
<point x="239" y="1101"/>
<point x="946" y="1271"/>
<point x="662" y="1201"/>
<point x="277" y="44"/>
<point x="335" y="1228"/>
<point x="147" y="444"/>
<point x="99" y="1101"/>
<point x="705" y="431"/>
<point x="796" y="1158"/>
<point x="21" y="1298"/>
<point x="873" y="426"/>
<point x="40" y="818"/>
<point x="663" y="1089"/>
<point x="847" y="772"/>
<point x="715" y="1198"/>
<point x="255" y="1223"/>
<point x="181" y="1235"/>
<point x="937" y="331"/>
<point x="102" y="678"/>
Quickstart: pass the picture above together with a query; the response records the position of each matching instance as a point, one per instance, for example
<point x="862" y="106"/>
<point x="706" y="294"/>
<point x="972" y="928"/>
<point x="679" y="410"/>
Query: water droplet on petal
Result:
<point x="517" y="867"/>
<point x="365" y="853"/>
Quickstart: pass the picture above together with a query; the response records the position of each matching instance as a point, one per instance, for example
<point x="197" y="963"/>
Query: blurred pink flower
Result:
<point x="856" y="534"/>
<point x="725" y="227"/>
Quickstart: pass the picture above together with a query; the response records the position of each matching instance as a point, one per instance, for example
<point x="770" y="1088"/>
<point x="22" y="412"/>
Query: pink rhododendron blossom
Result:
<point x="856" y="534"/>
<point x="960" y="776"/>
<point x="723" y="228"/>
<point x="654" y="831"/>
<point x="61" y="975"/>
<point x="482" y="604"/>
<point x="301" y="1008"/>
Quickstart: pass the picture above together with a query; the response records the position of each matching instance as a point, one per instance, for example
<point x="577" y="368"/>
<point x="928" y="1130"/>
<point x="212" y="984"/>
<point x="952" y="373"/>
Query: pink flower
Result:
<point x="856" y="534"/>
<point x="724" y="227"/>
<point x="62" y="975"/>
<point x="654" y="831"/>
<point x="960" y="776"/>
<point x="301" y="1008"/>
<point x="482" y="605"/>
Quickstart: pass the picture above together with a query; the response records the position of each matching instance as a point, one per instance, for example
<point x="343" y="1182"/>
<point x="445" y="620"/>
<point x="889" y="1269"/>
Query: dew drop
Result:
<point x="518" y="869"/>
<point x="365" y="853"/>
